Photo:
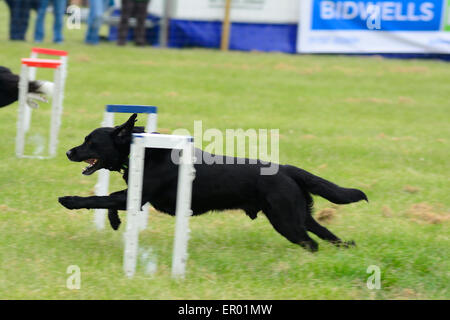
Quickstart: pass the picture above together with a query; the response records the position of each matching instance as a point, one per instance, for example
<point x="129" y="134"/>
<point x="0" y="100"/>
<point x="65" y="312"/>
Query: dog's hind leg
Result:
<point x="113" y="217"/>
<point x="325" y="234"/>
<point x="113" y="214"/>
<point x="283" y="216"/>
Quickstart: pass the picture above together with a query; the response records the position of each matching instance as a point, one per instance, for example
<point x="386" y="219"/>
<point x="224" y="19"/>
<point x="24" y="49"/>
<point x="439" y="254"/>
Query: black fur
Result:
<point x="284" y="197"/>
<point x="9" y="87"/>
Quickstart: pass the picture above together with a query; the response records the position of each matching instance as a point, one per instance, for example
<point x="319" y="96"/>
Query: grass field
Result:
<point x="376" y="124"/>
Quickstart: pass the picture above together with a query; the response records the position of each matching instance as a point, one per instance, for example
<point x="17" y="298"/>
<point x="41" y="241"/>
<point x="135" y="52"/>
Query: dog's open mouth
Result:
<point x="94" y="165"/>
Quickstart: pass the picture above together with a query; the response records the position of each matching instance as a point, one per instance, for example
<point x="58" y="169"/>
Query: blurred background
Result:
<point x="404" y="27"/>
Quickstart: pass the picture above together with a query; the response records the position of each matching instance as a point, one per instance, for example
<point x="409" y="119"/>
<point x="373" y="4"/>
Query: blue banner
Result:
<point x="397" y="15"/>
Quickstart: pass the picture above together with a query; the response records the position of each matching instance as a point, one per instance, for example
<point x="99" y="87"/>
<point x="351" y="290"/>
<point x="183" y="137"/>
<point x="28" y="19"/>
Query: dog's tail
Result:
<point x="324" y="188"/>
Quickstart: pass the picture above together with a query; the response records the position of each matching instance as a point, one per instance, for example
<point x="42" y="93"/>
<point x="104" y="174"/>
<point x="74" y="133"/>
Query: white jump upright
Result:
<point x="102" y="186"/>
<point x="186" y="175"/>
<point x="24" y="114"/>
<point x="35" y="52"/>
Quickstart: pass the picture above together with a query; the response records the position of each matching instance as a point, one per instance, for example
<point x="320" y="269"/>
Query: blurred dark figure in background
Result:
<point x="9" y="3"/>
<point x="95" y="19"/>
<point x="59" y="8"/>
<point x="137" y="9"/>
<point x="19" y="16"/>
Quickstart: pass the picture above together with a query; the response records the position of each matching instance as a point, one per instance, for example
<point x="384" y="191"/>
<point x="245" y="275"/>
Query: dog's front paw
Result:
<point x="114" y="219"/>
<point x="70" y="202"/>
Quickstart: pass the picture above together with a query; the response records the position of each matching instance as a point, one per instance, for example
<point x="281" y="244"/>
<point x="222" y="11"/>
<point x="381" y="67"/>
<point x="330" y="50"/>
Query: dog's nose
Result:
<point x="68" y="153"/>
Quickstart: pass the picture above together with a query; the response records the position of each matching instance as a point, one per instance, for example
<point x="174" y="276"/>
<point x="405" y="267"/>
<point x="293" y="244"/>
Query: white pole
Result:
<point x="151" y="127"/>
<point x="134" y="201"/>
<point x="31" y="77"/>
<point x="186" y="174"/>
<point x="56" y="112"/>
<point x="27" y="118"/>
<point x="164" y="23"/>
<point x="152" y="123"/>
<point x="102" y="186"/>
<point x="101" y="189"/>
<point x="64" y="64"/>
<point x="32" y="74"/>
<point x="23" y="91"/>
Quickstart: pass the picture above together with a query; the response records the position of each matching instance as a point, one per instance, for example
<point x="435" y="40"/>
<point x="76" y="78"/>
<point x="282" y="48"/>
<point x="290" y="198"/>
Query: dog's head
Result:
<point x="106" y="148"/>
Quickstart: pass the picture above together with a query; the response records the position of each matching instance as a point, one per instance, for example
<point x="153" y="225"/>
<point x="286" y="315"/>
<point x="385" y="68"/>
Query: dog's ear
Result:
<point x="125" y="129"/>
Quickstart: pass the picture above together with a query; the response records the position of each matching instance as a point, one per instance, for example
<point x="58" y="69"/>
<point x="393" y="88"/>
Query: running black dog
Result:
<point x="9" y="89"/>
<point x="284" y="197"/>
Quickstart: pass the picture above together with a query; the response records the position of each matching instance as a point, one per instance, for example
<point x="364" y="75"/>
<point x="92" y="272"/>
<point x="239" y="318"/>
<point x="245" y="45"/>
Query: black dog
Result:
<point x="9" y="89"/>
<point x="284" y="197"/>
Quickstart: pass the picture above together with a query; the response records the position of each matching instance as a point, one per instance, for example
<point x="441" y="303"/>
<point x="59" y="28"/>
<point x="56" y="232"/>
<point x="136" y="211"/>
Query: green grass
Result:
<point x="371" y="123"/>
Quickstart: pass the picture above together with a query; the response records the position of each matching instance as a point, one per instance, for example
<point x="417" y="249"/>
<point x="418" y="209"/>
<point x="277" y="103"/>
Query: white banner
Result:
<point x="396" y="26"/>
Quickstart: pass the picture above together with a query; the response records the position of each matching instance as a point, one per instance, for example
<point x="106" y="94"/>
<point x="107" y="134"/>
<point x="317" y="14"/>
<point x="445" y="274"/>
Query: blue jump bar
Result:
<point x="130" y="108"/>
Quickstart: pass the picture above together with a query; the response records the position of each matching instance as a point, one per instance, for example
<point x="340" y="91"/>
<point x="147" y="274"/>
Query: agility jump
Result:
<point x="102" y="186"/>
<point x="28" y="73"/>
<point x="186" y="175"/>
